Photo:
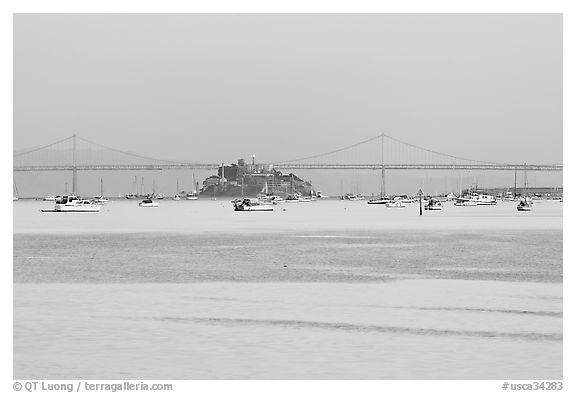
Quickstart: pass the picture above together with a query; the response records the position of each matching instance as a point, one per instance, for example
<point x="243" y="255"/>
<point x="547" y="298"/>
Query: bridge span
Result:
<point x="281" y="167"/>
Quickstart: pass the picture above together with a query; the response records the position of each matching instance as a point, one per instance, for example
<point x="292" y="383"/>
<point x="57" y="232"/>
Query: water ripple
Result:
<point x="362" y="328"/>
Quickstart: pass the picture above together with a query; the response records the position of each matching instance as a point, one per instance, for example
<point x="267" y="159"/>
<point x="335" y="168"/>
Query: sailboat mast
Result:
<point x="383" y="178"/>
<point x="101" y="188"/>
<point x="525" y="180"/>
<point x="515" y="168"/>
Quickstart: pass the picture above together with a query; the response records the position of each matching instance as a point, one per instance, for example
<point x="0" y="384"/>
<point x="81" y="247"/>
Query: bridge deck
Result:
<point x="483" y="167"/>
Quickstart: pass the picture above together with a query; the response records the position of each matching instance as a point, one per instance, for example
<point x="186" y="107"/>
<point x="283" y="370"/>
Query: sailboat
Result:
<point x="100" y="200"/>
<point x="177" y="196"/>
<point x="192" y="196"/>
<point x="525" y="204"/>
<point x="132" y="195"/>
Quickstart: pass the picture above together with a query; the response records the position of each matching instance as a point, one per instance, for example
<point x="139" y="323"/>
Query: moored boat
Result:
<point x="73" y="204"/>
<point x="483" y="199"/>
<point x="252" y="204"/>
<point x="509" y="196"/>
<point x="379" y="201"/>
<point x="148" y="203"/>
<point x="465" y="202"/>
<point x="99" y="200"/>
<point x="396" y="204"/>
<point x="176" y="196"/>
<point x="525" y="205"/>
<point x="433" y="204"/>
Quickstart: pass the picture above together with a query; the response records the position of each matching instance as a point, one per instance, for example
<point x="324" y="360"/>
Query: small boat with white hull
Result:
<point x="509" y="197"/>
<point x="73" y="204"/>
<point x="483" y="199"/>
<point x="525" y="205"/>
<point x="433" y="204"/>
<point x="252" y="204"/>
<point x="396" y="204"/>
<point x="148" y="203"/>
<point x="100" y="200"/>
<point x="193" y="195"/>
<point x="463" y="201"/>
<point x="379" y="201"/>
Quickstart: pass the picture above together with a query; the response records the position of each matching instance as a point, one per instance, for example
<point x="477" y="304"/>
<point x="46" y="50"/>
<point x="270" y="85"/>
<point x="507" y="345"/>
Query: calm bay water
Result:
<point x="323" y="290"/>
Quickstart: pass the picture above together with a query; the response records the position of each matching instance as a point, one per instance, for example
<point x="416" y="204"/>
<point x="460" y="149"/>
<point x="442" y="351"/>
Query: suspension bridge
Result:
<point x="381" y="152"/>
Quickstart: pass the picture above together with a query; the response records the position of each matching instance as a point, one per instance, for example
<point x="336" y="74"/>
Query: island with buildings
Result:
<point x="249" y="180"/>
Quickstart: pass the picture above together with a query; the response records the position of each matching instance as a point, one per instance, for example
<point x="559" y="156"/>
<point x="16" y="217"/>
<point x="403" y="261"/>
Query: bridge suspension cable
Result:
<point x="42" y="147"/>
<point x="328" y="153"/>
<point x="439" y="153"/>
<point x="382" y="136"/>
<point x="134" y="154"/>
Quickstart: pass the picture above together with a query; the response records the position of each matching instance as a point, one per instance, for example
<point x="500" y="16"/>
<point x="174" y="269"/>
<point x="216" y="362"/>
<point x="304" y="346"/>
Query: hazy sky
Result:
<point x="206" y="86"/>
<point x="217" y="87"/>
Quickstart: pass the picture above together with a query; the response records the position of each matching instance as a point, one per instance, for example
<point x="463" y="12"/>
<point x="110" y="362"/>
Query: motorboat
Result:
<point x="270" y="198"/>
<point x="252" y="204"/>
<point x="379" y="201"/>
<point x="148" y="203"/>
<point x="191" y="196"/>
<point x="404" y="199"/>
<point x="159" y="196"/>
<point x="450" y="196"/>
<point x="293" y="198"/>
<point x="395" y="204"/>
<point x="99" y="200"/>
<point x="307" y="199"/>
<point x="50" y="198"/>
<point x="465" y="202"/>
<point x="73" y="204"/>
<point x="176" y="197"/>
<point x="509" y="196"/>
<point x="130" y="196"/>
<point x="433" y="204"/>
<point x="353" y="197"/>
<point x="483" y="199"/>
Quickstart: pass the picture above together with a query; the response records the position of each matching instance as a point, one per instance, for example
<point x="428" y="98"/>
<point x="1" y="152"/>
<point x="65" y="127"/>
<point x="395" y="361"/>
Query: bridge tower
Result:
<point x="383" y="181"/>
<point x="74" y="169"/>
